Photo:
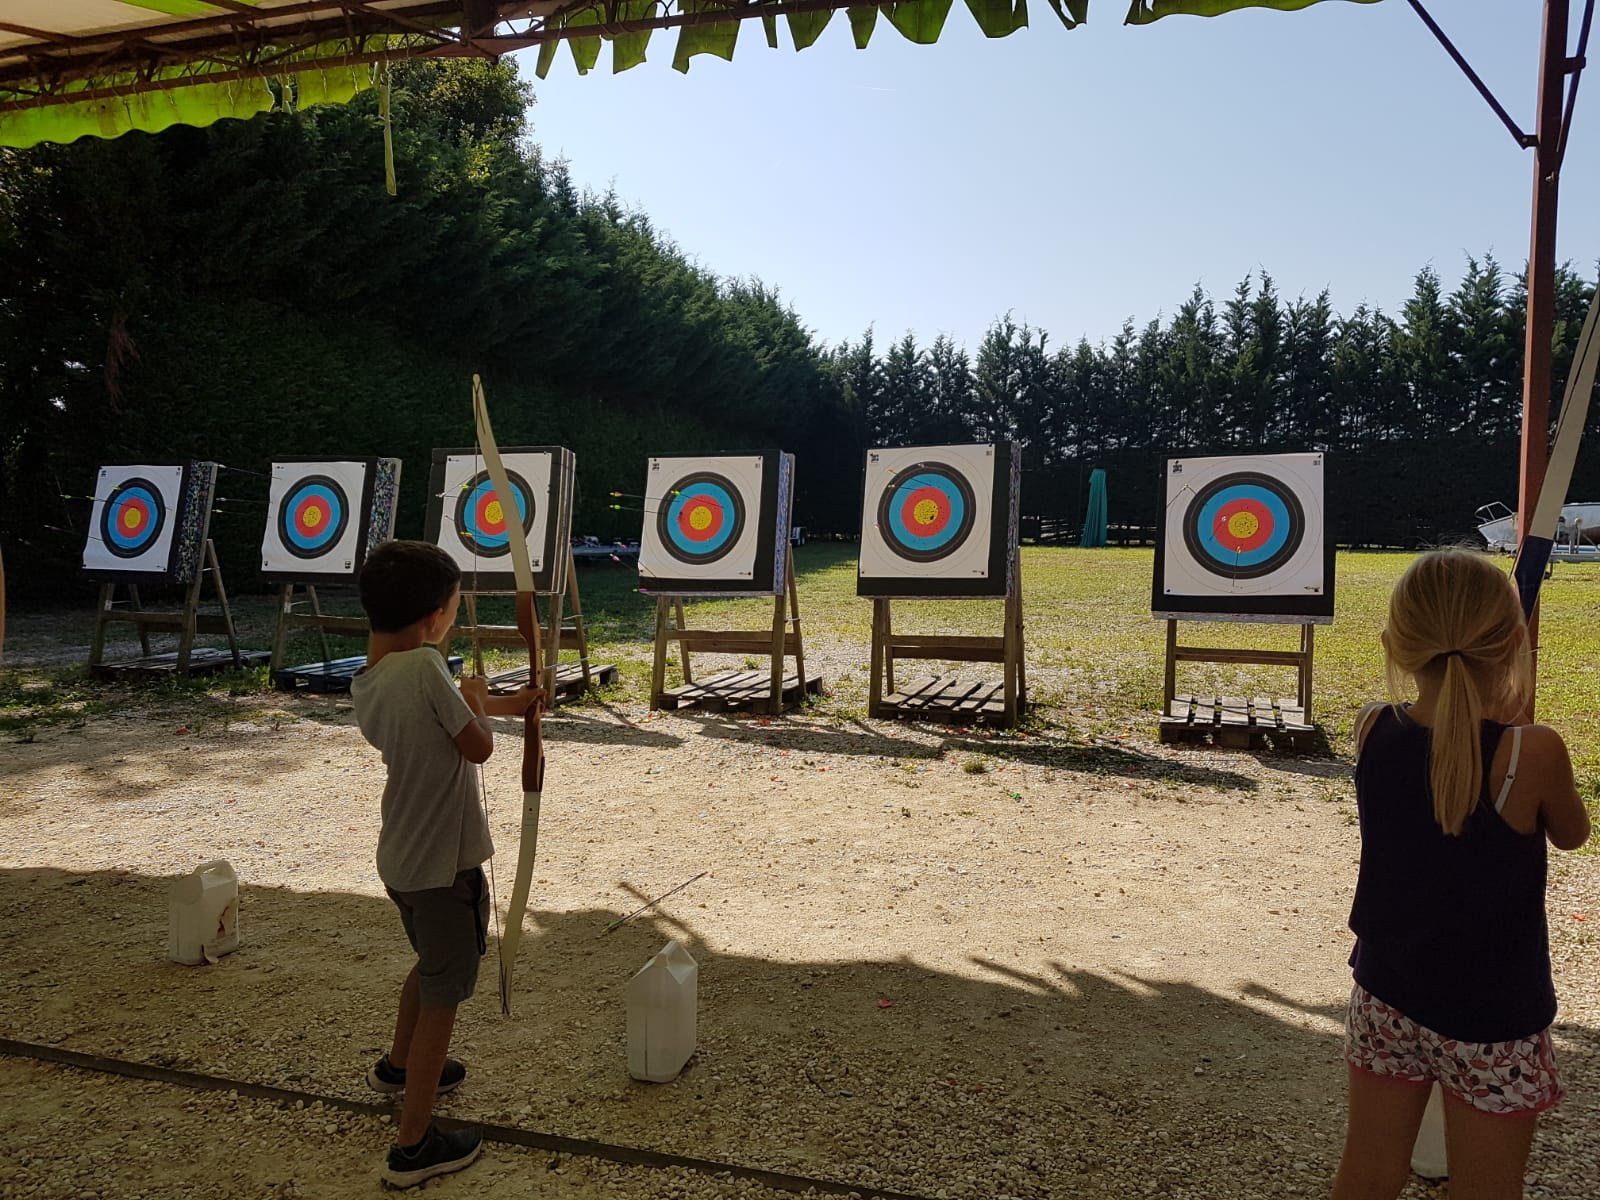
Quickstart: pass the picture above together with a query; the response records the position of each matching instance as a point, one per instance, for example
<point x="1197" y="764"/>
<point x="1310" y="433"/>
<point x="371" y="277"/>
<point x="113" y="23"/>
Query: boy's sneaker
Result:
<point x="438" y="1153"/>
<point x="387" y="1078"/>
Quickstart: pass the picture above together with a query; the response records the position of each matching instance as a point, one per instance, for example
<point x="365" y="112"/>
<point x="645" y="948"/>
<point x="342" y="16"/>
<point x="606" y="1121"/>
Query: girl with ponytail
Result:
<point x="1457" y="795"/>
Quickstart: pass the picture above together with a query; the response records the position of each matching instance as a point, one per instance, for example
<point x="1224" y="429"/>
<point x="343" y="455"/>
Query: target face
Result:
<point x="926" y="512"/>
<point x="133" y="523"/>
<point x="481" y="516"/>
<point x="702" y="520"/>
<point x="1244" y="525"/>
<point x="1244" y="537"/>
<point x="312" y="516"/>
<point x="316" y="511"/>
<point x="712" y="522"/>
<point x="133" y="517"/>
<point x="471" y="522"/>
<point x="937" y="521"/>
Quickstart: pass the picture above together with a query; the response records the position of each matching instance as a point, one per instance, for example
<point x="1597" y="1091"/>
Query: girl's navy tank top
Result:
<point x="1450" y="930"/>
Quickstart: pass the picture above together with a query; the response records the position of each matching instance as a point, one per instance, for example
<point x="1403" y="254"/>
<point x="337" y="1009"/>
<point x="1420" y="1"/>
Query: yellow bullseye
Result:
<point x="492" y="514"/>
<point x="313" y="516"/>
<point x="700" y="518"/>
<point x="926" y="512"/>
<point x="130" y="519"/>
<point x="1243" y="525"/>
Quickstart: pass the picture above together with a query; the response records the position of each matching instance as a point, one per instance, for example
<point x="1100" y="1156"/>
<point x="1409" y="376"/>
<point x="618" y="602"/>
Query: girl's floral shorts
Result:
<point x="1494" y="1077"/>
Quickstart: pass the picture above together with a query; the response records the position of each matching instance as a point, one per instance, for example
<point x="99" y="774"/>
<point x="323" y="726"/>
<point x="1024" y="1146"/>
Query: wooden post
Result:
<point x="97" y="644"/>
<point x="658" y="671"/>
<point x="222" y="595"/>
<point x="552" y="651"/>
<point x="1306" y="632"/>
<point x="780" y="623"/>
<point x="875" y="660"/>
<point x="799" y="641"/>
<point x="683" y="649"/>
<point x="577" y="619"/>
<point x="1170" y="686"/>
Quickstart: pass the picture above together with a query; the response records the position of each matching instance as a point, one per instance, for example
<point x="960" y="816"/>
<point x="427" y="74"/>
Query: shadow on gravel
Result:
<point x="1027" y="1075"/>
<point x="1055" y="749"/>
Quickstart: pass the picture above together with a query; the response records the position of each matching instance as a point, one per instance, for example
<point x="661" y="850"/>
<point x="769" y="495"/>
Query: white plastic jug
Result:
<point x="662" y="999"/>
<point x="1428" y="1155"/>
<point x="203" y="922"/>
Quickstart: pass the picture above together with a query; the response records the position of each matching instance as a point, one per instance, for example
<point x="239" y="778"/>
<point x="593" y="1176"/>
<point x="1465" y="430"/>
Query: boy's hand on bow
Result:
<point x="475" y="691"/>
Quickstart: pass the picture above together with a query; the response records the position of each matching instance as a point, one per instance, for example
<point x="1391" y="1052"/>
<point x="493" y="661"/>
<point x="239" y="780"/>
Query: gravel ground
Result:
<point x="944" y="964"/>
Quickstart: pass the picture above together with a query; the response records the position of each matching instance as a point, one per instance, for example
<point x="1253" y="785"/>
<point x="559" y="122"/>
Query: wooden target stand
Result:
<point x="188" y="622"/>
<point x="949" y="698"/>
<point x="562" y="680"/>
<point x="769" y="690"/>
<point x="1240" y="721"/>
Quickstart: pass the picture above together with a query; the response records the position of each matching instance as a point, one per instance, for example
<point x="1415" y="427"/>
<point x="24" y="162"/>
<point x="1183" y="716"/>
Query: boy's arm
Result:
<point x="475" y="741"/>
<point x="514" y="705"/>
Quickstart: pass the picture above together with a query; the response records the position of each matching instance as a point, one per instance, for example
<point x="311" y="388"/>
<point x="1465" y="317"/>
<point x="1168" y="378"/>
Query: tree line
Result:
<point x="249" y="291"/>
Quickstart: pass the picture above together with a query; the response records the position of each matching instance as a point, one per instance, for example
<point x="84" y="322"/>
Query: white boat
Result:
<point x="1577" y="532"/>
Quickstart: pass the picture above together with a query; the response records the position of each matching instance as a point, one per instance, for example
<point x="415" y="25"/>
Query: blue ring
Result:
<point x="335" y="523"/>
<point x="958" y="511"/>
<point x="1249" y="558"/>
<point x="718" y="496"/>
<point x="151" y="529"/>
<point x="493" y="541"/>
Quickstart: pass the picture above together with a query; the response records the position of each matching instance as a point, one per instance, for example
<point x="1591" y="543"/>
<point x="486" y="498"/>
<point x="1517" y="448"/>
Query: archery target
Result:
<point x="477" y="524"/>
<point x="134" y="516"/>
<point x="929" y="517"/>
<point x="483" y="523"/>
<point x="314" y="518"/>
<point x="702" y="521"/>
<point x="1247" y="531"/>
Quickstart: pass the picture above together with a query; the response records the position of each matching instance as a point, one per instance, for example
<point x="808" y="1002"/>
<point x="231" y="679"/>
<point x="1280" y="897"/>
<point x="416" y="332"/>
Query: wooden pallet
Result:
<point x="948" y="698"/>
<point x="331" y="676"/>
<point x="735" y="691"/>
<point x="569" y="680"/>
<point x="1239" y="723"/>
<point x="203" y="660"/>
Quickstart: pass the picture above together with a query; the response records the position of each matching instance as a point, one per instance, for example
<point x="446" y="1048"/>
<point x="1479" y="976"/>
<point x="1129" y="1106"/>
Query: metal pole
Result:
<point x="1542" y="271"/>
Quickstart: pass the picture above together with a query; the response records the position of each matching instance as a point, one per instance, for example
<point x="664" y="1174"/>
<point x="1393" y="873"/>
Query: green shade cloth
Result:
<point x="1095" y="520"/>
<point x="321" y="74"/>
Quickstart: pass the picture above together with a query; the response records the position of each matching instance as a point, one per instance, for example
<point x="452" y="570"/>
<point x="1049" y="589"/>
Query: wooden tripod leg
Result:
<point x="577" y="620"/>
<point x="779" y="625"/>
<point x="316" y="611"/>
<point x="222" y="598"/>
<point x="683" y="647"/>
<point x="799" y="641"/>
<point x="1169" y="687"/>
<point x="97" y="645"/>
<point x="280" y="634"/>
<point x="875" y="662"/>
<point x="471" y="601"/>
<point x="136" y="606"/>
<point x="552" y="648"/>
<point x="658" y="670"/>
<point x="191" y="616"/>
<point x="1306" y="637"/>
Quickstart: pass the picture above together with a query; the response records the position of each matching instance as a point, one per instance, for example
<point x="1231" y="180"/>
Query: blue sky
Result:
<point x="1077" y="178"/>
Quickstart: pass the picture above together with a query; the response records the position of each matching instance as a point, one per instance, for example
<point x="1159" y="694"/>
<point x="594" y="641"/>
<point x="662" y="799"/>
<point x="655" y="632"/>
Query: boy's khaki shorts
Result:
<point x="446" y="928"/>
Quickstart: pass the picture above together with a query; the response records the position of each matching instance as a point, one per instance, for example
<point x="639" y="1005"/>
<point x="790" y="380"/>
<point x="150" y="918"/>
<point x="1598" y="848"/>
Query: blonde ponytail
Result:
<point x="1456" y="767"/>
<point x="1455" y="612"/>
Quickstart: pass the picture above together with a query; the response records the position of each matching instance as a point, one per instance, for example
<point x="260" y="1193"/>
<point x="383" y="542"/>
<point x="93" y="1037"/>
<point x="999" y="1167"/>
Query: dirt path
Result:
<point x="937" y="963"/>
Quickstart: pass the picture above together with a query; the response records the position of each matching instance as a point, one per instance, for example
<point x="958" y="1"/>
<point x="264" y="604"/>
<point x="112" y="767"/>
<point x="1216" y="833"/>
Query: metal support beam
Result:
<point x="1536" y="369"/>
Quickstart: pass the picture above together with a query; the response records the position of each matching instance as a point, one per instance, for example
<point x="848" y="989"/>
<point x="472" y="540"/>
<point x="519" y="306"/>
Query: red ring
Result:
<point x="942" y="511"/>
<point x="694" y="504"/>
<point x="137" y="505"/>
<point x="1264" y="525"/>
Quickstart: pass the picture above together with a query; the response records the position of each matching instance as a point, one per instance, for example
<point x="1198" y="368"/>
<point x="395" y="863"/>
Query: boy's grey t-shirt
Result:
<point x="433" y="821"/>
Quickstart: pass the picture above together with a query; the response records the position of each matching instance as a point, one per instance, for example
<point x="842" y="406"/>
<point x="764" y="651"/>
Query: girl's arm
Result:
<point x="1548" y="775"/>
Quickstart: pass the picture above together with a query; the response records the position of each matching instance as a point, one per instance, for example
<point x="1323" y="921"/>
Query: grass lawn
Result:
<point x="1094" y="653"/>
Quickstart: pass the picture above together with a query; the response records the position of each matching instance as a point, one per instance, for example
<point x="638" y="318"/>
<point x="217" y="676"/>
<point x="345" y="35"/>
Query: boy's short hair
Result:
<point x="401" y="582"/>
